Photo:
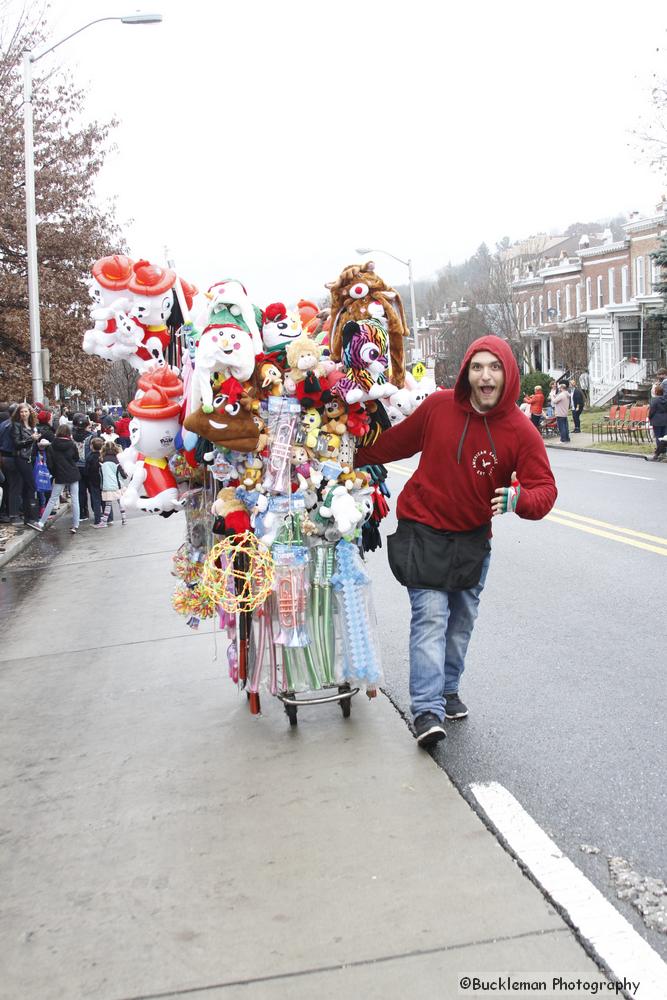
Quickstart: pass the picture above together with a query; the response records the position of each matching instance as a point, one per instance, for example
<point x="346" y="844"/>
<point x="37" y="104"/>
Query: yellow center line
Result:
<point x="603" y="529"/>
<point x="611" y="527"/>
<point x="608" y="534"/>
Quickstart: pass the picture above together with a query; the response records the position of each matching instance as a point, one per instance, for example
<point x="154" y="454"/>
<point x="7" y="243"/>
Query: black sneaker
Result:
<point x="429" y="730"/>
<point x="454" y="707"/>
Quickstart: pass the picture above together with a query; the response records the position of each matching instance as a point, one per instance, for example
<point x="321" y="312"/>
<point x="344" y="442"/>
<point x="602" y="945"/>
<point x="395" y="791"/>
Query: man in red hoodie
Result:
<point x="480" y="457"/>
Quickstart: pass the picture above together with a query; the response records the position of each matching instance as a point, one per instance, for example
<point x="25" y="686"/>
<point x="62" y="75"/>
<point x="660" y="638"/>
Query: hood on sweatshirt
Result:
<point x="502" y="351"/>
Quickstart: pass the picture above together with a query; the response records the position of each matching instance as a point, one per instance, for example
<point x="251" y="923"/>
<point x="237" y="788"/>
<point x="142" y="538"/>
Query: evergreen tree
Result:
<point x="660" y="257"/>
<point x="72" y="231"/>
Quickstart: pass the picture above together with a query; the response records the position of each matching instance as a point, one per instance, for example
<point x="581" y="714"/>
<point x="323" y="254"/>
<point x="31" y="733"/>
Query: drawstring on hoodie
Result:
<point x="463" y="435"/>
<point x="460" y="449"/>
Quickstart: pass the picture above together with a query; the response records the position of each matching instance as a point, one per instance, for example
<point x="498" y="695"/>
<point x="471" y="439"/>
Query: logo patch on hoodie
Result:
<point x="483" y="462"/>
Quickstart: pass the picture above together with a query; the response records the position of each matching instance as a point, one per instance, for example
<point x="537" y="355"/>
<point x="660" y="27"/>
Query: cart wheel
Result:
<point x="345" y="703"/>
<point x="291" y="711"/>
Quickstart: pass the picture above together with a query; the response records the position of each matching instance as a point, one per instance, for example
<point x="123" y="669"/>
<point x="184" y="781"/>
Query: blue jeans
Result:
<point x="55" y="496"/>
<point x="564" y="428"/>
<point x="440" y="629"/>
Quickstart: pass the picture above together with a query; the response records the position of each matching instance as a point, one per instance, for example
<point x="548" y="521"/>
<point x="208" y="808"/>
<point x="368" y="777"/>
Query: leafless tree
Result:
<point x="120" y="382"/>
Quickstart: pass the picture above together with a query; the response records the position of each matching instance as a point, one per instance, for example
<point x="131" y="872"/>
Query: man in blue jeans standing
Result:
<point x="560" y="400"/>
<point x="480" y="457"/>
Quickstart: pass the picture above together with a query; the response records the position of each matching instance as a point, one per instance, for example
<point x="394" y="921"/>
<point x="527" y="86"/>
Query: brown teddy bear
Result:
<point x="334" y="417"/>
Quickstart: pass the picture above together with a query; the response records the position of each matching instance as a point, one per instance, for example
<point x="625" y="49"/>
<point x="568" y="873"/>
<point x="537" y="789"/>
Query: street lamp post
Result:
<point x="408" y="264"/>
<point x="31" y="220"/>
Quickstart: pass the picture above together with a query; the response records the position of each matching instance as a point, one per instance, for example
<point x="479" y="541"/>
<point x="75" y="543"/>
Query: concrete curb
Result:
<point x="21" y="542"/>
<point x="593" y="451"/>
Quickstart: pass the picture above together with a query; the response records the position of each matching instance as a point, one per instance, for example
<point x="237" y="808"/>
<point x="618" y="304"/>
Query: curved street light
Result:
<point x="31" y="221"/>
<point x="408" y="264"/>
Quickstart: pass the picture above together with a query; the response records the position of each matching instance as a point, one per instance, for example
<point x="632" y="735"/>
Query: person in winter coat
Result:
<point x="82" y="436"/>
<point x="9" y="508"/>
<point x="122" y="429"/>
<point x="560" y="400"/>
<point x="536" y="405"/>
<point x="93" y="477"/>
<point x="479" y="458"/>
<point x="577" y="399"/>
<point x="44" y="428"/>
<point x="657" y="414"/>
<point x="24" y="433"/>
<point x="112" y="474"/>
<point x="62" y="458"/>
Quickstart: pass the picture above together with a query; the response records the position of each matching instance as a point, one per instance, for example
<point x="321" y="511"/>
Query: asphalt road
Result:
<point x="565" y="677"/>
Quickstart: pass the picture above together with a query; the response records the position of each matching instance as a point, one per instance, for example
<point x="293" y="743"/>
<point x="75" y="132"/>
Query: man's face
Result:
<point x="487" y="380"/>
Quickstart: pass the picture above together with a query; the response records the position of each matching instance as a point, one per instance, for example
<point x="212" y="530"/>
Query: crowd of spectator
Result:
<point x="47" y="456"/>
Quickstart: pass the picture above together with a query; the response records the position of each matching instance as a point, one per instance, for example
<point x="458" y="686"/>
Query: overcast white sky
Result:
<point x="265" y="141"/>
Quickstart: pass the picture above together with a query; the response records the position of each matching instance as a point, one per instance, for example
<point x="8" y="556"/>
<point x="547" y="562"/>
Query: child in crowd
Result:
<point x="93" y="476"/>
<point x="42" y="475"/>
<point x="62" y="457"/>
<point x="112" y="474"/>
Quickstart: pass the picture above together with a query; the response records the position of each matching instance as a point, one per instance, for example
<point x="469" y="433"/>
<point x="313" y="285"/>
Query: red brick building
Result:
<point x="603" y="295"/>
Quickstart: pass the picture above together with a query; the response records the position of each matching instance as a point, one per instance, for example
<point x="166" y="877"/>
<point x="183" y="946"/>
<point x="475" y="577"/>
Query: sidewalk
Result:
<point x="585" y="442"/>
<point x="158" y="840"/>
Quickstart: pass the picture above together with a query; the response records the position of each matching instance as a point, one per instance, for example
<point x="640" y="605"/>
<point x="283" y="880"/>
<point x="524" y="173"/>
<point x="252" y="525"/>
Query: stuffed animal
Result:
<point x="222" y="347"/>
<point x="305" y="378"/>
<point x="231" y="515"/>
<point x="108" y="288"/>
<point x="364" y="363"/>
<point x="360" y="294"/>
<point x="269" y="376"/>
<point x="340" y="506"/>
<point x="153" y="429"/>
<point x="311" y="422"/>
<point x="231" y="422"/>
<point x="334" y="417"/>
<point x="229" y="296"/>
<point x="279" y="328"/>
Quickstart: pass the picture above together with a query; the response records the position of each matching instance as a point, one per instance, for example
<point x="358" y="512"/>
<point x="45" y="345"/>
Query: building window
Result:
<point x="577" y="299"/>
<point x="525" y="314"/>
<point x="625" y="273"/>
<point x="655" y="275"/>
<point x="611" y="280"/>
<point x="600" y="298"/>
<point x="558" y="316"/>
<point x="541" y="310"/>
<point x="631" y="343"/>
<point x="568" y="302"/>
<point x="517" y="314"/>
<point x="640" y="285"/>
<point x="532" y="310"/>
<point x="589" y="294"/>
<point x="548" y="304"/>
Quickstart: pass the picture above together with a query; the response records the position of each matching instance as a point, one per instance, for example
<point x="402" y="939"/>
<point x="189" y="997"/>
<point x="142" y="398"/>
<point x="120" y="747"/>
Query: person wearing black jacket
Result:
<point x="25" y="436"/>
<point x="657" y="414"/>
<point x="62" y="457"/>
<point x="92" y="473"/>
<point x="44" y="428"/>
<point x="577" y="398"/>
<point x="81" y="436"/>
<point x="8" y="509"/>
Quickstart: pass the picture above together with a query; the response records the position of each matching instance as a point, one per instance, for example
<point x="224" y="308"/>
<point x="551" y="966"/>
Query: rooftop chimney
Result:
<point x="584" y="241"/>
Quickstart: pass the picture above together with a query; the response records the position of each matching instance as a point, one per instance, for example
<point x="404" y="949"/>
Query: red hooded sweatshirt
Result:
<point x="466" y="455"/>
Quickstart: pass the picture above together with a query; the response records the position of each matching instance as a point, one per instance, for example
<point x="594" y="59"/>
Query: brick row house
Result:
<point x="594" y="307"/>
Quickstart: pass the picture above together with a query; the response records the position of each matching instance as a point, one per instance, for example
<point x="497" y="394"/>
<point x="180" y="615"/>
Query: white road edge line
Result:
<point x="623" y="475"/>
<point x="612" y="938"/>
